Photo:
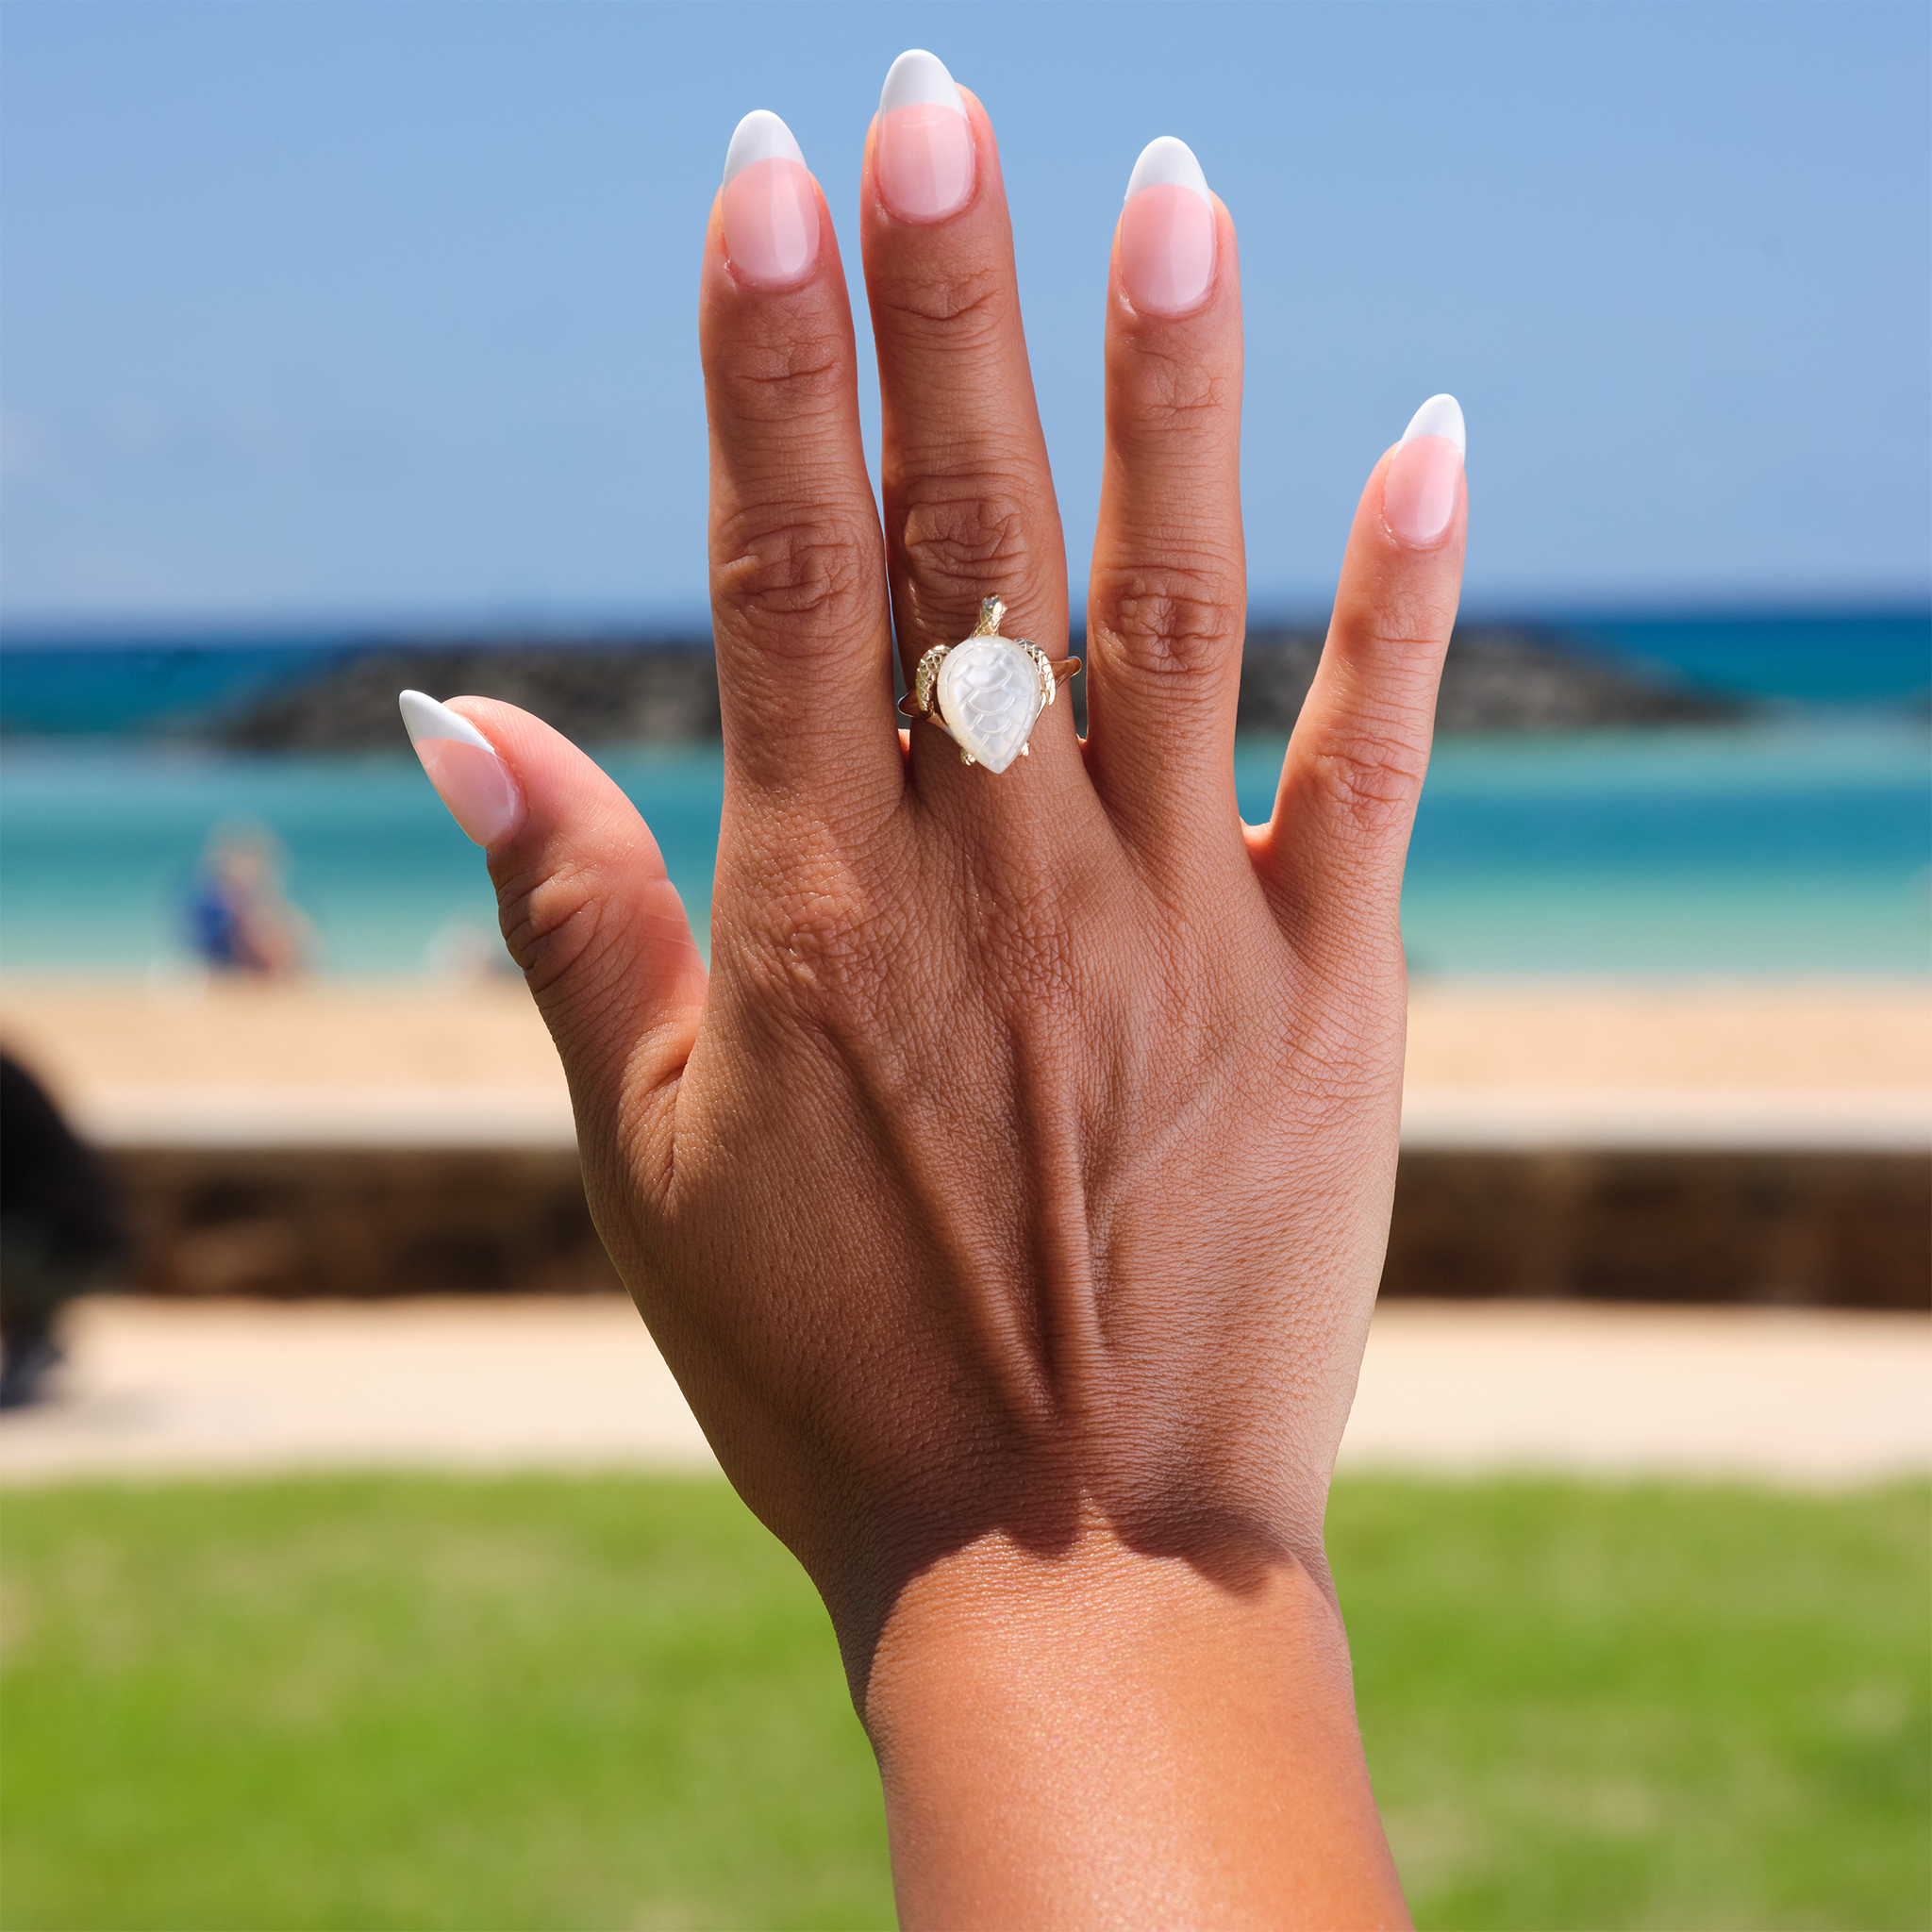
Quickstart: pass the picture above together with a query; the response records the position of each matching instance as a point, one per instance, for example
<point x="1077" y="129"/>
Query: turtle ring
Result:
<point x="987" y="691"/>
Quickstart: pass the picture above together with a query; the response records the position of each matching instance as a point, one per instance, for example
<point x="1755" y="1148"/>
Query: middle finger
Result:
<point x="968" y="496"/>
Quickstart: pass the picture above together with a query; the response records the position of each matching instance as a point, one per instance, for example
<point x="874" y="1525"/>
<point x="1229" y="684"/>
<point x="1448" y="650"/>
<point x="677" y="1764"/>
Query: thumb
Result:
<point x="586" y="907"/>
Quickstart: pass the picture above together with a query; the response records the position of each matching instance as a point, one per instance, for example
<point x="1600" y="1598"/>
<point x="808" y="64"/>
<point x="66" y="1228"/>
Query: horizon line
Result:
<point x="691" y="627"/>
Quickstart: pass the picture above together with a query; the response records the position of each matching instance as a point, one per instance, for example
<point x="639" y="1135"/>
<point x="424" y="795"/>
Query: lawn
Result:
<point x="613" y="1703"/>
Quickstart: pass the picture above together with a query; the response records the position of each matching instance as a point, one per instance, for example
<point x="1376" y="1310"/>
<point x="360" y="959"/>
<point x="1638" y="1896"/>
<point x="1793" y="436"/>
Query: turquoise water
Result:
<point x="1804" y="848"/>
<point x="167" y="684"/>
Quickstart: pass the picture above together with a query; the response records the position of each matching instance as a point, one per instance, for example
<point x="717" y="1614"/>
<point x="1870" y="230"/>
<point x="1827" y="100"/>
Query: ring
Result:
<point x="987" y="691"/>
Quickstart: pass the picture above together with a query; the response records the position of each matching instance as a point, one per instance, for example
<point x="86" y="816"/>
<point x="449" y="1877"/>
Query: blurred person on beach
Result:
<point x="61" y="1232"/>
<point x="1009" y="1190"/>
<point x="238" y="918"/>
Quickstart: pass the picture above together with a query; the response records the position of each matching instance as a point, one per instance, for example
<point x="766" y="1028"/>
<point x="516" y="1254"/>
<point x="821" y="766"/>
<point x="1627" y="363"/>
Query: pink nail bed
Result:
<point x="772" y="223"/>
<point x="1167" y="230"/>
<point x="1167" y="249"/>
<point x="922" y="161"/>
<point x="771" y="206"/>
<point x="1419" y="488"/>
<point x="482" y="795"/>
<point x="477" y="786"/>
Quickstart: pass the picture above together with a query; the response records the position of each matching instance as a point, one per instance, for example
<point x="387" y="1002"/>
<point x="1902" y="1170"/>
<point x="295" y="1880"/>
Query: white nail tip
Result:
<point x="761" y="137"/>
<point x="423" y="717"/>
<point x="1167" y="162"/>
<point x="1440" y="416"/>
<point x="919" y="79"/>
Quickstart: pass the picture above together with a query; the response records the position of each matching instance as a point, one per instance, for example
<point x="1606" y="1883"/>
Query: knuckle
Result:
<point x="968" y="307"/>
<point x="816" y="941"/>
<point x="551" y="923"/>
<point x="1372" y="772"/>
<point x="1404" y="636"/>
<point x="1164" y="394"/>
<point x="1176" y="622"/>
<point x="966" y="543"/>
<point x="776" y="565"/>
<point x="784" y="379"/>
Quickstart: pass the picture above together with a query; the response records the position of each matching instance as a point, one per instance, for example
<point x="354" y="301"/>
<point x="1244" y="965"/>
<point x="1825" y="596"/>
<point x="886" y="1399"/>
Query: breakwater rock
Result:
<point x="645" y="692"/>
<point x="651" y="692"/>
<point x="1495" y="678"/>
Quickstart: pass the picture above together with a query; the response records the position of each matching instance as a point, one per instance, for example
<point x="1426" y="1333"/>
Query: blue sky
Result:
<point x="386" y="312"/>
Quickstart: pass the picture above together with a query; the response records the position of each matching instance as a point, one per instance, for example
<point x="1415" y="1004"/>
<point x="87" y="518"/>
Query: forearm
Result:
<point x="1099" y="1738"/>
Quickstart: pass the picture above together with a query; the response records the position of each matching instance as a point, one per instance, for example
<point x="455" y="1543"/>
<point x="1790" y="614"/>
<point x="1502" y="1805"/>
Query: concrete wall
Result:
<point x="1838" y="1228"/>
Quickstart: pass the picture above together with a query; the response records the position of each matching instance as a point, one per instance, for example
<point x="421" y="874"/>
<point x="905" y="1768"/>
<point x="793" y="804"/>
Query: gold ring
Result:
<point x="986" y="692"/>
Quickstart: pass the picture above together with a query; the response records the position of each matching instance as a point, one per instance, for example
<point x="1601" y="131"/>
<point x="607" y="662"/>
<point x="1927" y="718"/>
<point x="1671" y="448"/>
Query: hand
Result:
<point x="1011" y="1198"/>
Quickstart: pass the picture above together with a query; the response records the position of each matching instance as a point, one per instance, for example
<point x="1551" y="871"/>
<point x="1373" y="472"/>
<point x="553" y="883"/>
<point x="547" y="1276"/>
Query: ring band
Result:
<point x="987" y="691"/>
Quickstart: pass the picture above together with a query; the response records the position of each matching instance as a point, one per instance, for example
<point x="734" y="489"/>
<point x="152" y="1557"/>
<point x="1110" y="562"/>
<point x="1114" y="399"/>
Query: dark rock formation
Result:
<point x="654" y="692"/>
<point x="1494" y="680"/>
<point x="640" y="693"/>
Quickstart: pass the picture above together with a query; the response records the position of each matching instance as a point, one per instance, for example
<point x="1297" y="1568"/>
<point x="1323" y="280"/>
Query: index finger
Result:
<point x="797" y="560"/>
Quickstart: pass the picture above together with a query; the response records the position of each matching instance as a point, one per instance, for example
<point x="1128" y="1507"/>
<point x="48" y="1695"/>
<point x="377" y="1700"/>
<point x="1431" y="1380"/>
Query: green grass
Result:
<point x="1651" y="1706"/>
<point x="614" y="1702"/>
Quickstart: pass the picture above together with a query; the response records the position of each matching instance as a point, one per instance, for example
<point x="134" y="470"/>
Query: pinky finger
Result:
<point x="1332" y="860"/>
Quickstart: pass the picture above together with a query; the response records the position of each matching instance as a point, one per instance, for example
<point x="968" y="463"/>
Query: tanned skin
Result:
<point x="1010" y="1193"/>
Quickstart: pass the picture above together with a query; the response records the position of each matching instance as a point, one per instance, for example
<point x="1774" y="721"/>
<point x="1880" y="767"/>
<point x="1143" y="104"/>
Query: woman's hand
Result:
<point x="1011" y="1197"/>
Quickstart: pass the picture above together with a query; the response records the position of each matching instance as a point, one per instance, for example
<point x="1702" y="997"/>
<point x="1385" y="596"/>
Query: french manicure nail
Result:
<point x="770" y="210"/>
<point x="469" y="777"/>
<point x="1418" y="492"/>
<point x="922" y="162"/>
<point x="1167" y="230"/>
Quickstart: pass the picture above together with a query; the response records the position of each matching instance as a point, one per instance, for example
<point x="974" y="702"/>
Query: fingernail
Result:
<point x="1418" y="492"/>
<point x="1167" y="230"/>
<point x="469" y="777"/>
<point x="771" y="206"/>
<point x="923" y="160"/>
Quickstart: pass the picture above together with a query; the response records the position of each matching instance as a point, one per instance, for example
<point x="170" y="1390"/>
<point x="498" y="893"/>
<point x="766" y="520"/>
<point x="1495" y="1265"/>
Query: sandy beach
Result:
<point x="1693" y="1143"/>
<point x="1724" y="1057"/>
<point x="89" y="1039"/>
<point x="156" y="1388"/>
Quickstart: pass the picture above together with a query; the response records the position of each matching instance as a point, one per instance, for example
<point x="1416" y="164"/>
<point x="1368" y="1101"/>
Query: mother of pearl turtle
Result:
<point x="990" y="695"/>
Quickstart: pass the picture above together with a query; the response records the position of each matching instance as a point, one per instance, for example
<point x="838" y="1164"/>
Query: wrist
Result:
<point x="1099" y="1735"/>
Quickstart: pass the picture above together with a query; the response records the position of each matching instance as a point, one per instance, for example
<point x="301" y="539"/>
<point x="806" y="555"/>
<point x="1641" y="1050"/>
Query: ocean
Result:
<point x="79" y="684"/>
<point x="1799" y="845"/>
